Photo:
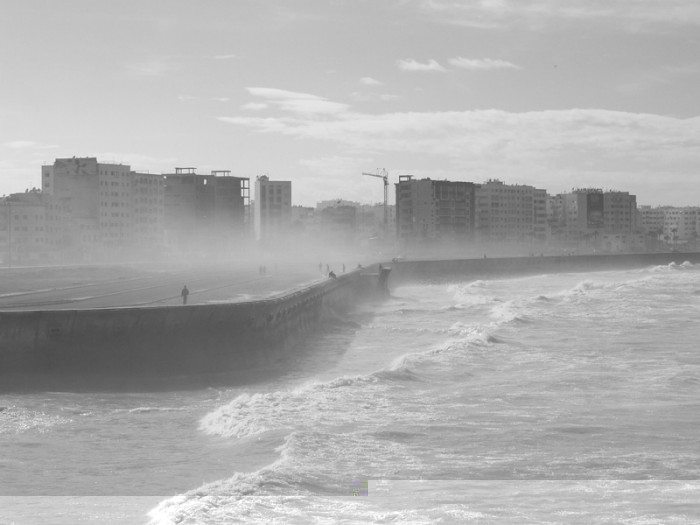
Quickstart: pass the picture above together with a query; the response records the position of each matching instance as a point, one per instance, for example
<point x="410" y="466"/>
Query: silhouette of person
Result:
<point x="332" y="275"/>
<point x="185" y="292"/>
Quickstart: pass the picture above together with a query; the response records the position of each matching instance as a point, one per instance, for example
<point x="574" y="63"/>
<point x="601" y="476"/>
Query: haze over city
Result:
<point x="547" y="93"/>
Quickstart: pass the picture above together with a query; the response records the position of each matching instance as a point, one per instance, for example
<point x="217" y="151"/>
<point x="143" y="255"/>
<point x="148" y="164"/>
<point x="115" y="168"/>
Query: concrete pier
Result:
<point x="63" y="347"/>
<point x="135" y="345"/>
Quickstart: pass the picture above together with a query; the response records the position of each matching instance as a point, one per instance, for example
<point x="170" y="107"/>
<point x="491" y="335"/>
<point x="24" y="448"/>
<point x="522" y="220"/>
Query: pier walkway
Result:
<point x="88" y="287"/>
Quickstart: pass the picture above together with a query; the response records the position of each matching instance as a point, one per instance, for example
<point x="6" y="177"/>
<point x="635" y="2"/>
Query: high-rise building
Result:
<point x="508" y="212"/>
<point x="273" y="209"/>
<point x="96" y="209"/>
<point x="148" y="209"/>
<point x="434" y="209"/>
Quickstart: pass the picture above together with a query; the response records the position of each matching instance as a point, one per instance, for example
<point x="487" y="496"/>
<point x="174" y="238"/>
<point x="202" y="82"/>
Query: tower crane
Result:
<point x="384" y="175"/>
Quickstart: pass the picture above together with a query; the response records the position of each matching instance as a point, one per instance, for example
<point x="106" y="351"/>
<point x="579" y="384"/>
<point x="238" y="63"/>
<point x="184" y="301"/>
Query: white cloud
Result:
<point x="538" y="13"/>
<point x="369" y="81"/>
<point x="221" y="99"/>
<point x="481" y="63"/>
<point x="254" y="106"/>
<point x="20" y="144"/>
<point x="184" y="98"/>
<point x="367" y="97"/>
<point x="412" y="65"/>
<point x="551" y="149"/>
<point x="300" y="103"/>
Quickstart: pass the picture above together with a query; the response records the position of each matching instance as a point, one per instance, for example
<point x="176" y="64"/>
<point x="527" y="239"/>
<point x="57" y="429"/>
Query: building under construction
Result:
<point x="206" y="212"/>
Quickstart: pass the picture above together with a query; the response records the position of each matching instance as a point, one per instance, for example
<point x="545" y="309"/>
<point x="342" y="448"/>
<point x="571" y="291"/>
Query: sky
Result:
<point x="556" y="94"/>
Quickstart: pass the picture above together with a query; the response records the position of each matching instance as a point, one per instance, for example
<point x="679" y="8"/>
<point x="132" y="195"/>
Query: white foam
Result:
<point x="16" y="420"/>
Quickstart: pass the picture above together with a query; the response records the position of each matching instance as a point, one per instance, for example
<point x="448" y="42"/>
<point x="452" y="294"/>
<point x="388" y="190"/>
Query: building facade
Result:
<point x="590" y="215"/>
<point x="511" y="212"/>
<point x="205" y="212"/>
<point x="273" y="209"/>
<point x="429" y="210"/>
<point x="23" y="234"/>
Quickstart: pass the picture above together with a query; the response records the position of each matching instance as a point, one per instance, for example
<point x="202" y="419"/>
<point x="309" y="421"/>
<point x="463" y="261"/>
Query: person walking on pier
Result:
<point x="185" y="292"/>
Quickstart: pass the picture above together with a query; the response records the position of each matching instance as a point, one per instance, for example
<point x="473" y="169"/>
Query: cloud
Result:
<point x="367" y="97"/>
<point x="185" y="97"/>
<point x="20" y="144"/>
<point x="300" y="103"/>
<point x="369" y="81"/>
<point x="221" y="99"/>
<point x="544" y="148"/>
<point x="225" y="57"/>
<point x="481" y="63"/>
<point x="28" y="144"/>
<point x="254" y="106"/>
<point x="412" y="65"/>
<point x="538" y="13"/>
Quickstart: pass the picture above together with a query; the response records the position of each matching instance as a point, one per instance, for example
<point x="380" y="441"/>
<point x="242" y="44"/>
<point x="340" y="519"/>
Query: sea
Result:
<point x="546" y="399"/>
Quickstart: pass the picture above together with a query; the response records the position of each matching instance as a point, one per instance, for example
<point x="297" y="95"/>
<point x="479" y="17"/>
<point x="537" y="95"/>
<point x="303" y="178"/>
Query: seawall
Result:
<point x="445" y="270"/>
<point x="131" y="346"/>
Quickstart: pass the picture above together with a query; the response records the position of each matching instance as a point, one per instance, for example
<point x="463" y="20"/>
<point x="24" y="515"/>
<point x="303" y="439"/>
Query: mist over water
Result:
<point x="553" y="398"/>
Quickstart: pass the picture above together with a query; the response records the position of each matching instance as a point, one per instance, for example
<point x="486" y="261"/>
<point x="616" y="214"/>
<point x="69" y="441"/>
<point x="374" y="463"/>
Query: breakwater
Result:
<point x="127" y="347"/>
<point x="132" y="346"/>
<point x="445" y="270"/>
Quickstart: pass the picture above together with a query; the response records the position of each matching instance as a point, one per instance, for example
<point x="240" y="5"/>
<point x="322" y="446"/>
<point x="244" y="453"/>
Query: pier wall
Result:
<point x="133" y="343"/>
<point x="445" y="270"/>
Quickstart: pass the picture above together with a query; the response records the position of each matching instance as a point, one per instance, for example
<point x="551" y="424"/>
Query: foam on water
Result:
<point x="15" y="420"/>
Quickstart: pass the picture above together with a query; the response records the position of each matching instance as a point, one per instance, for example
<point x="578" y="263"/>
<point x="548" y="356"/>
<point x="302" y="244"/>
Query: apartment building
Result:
<point x="590" y="212"/>
<point x="508" y="212"/>
<point x="430" y="209"/>
<point x="23" y="235"/>
<point x="273" y="209"/>
<point x="681" y="224"/>
<point x="97" y="210"/>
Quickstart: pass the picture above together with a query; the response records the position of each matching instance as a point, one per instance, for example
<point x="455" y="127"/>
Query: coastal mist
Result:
<point x="558" y="398"/>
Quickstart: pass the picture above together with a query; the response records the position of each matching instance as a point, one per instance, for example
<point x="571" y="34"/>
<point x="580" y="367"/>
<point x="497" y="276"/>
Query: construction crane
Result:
<point x="384" y="175"/>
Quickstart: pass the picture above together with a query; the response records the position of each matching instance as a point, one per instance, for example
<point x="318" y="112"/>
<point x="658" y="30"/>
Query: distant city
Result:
<point x="89" y="211"/>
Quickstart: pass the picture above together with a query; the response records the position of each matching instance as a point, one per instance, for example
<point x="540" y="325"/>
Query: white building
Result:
<point x="511" y="212"/>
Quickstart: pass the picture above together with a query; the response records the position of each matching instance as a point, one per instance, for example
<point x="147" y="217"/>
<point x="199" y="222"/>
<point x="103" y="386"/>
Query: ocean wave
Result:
<point x="253" y="414"/>
<point x="16" y="420"/>
<point x="685" y="265"/>
<point x="148" y="410"/>
<point x="310" y="482"/>
<point x="248" y="415"/>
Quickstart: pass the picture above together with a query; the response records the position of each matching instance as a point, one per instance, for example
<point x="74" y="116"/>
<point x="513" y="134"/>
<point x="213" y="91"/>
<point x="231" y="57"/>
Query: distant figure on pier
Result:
<point x="332" y="275"/>
<point x="343" y="267"/>
<point x="184" y="293"/>
<point x="320" y="267"/>
<point x="328" y="268"/>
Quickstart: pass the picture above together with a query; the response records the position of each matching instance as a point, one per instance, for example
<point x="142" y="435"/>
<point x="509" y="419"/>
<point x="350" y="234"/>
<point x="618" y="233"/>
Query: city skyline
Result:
<point x="592" y="94"/>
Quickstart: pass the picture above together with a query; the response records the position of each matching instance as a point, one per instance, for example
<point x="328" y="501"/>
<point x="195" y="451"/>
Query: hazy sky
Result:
<point x="552" y="93"/>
